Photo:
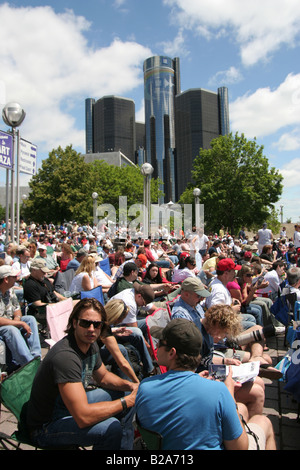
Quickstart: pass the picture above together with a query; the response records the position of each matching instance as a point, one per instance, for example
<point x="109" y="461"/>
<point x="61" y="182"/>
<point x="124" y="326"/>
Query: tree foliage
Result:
<point x="237" y="186"/>
<point x="62" y="188"/>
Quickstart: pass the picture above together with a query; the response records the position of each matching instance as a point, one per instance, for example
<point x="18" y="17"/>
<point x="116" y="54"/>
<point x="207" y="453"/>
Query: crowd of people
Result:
<point x="218" y="288"/>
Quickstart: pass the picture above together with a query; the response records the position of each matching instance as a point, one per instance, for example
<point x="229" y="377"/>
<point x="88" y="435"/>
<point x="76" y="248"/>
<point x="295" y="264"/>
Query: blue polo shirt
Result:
<point x="182" y="310"/>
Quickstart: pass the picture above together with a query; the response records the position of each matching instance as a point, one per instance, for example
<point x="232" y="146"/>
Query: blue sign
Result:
<point x="6" y="155"/>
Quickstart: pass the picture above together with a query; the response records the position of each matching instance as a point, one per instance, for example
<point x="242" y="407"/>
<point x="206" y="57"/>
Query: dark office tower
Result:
<point x="114" y="126"/>
<point x="140" y="156"/>
<point x="161" y="84"/>
<point x="89" y="124"/>
<point x="197" y="121"/>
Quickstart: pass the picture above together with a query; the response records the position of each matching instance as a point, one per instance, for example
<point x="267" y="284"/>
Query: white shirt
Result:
<point x="128" y="297"/>
<point x="264" y="236"/>
<point x="274" y="282"/>
<point x="219" y="294"/>
<point x="76" y="284"/>
<point x="23" y="267"/>
<point x="101" y="277"/>
<point x="297" y="239"/>
<point x="180" y="275"/>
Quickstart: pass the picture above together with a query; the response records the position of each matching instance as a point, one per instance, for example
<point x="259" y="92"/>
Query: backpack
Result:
<point x="283" y="305"/>
<point x="113" y="290"/>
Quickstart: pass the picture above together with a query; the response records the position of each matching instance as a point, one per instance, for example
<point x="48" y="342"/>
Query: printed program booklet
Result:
<point x="242" y="373"/>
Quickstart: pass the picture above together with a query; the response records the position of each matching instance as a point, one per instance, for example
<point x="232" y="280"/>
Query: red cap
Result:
<point x="227" y="264"/>
<point x="247" y="254"/>
<point x="184" y="254"/>
<point x="147" y="242"/>
<point x="143" y="259"/>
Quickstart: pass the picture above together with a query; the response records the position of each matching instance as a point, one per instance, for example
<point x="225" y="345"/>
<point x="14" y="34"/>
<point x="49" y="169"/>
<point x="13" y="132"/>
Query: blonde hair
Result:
<point x="224" y="317"/>
<point x="87" y="265"/>
<point x="116" y="310"/>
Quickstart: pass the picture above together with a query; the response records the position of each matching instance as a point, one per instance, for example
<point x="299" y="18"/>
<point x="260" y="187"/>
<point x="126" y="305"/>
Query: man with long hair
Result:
<point x="65" y="407"/>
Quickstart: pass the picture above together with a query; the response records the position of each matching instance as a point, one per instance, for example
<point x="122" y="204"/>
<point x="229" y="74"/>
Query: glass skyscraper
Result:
<point x="161" y="84"/>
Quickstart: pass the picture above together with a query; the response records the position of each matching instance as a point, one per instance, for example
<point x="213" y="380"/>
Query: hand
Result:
<point x="130" y="399"/>
<point x="232" y="361"/>
<point x="230" y="383"/>
<point x="236" y="306"/>
<point x="205" y="374"/>
<point x="122" y="331"/>
<point x="264" y="284"/>
<point x="26" y="328"/>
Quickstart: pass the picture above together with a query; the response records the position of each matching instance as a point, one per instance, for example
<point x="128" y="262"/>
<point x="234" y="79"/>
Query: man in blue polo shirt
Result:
<point x="188" y="306"/>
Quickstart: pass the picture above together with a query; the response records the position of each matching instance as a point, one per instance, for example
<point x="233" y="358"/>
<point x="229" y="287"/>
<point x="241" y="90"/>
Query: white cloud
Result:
<point x="226" y="77"/>
<point x="291" y="174"/>
<point x="289" y="141"/>
<point x="258" y="27"/>
<point x="49" y="68"/>
<point x="175" y="47"/>
<point x="267" y="111"/>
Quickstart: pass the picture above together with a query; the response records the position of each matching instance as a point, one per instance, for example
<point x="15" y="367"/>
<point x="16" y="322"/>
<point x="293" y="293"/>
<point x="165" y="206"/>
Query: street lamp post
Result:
<point x="13" y="115"/>
<point x="196" y="194"/>
<point x="147" y="170"/>
<point x="95" y="198"/>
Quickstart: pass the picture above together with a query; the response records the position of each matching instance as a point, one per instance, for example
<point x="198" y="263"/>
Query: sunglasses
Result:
<point x="87" y="323"/>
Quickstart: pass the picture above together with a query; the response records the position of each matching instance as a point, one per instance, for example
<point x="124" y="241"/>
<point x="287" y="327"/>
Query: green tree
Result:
<point x="237" y="186"/>
<point x="62" y="188"/>
<point x="57" y="190"/>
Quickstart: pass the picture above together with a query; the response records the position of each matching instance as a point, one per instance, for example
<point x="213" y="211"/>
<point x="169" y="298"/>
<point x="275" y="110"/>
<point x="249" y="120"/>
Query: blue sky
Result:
<point x="55" y="54"/>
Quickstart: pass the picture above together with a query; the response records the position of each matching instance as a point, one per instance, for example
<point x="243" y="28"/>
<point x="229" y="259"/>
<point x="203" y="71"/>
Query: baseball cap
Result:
<point x="227" y="264"/>
<point x="147" y="242"/>
<point x="143" y="259"/>
<point x="39" y="264"/>
<point x="6" y="271"/>
<point x="42" y="247"/>
<point x="193" y="284"/>
<point x="181" y="334"/>
<point x="81" y="252"/>
<point x="248" y="254"/>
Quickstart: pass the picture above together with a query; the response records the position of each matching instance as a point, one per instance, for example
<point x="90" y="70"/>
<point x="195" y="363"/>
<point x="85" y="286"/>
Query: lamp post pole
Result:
<point x="13" y="115"/>
<point x="147" y="170"/>
<point x="196" y="194"/>
<point x="95" y="197"/>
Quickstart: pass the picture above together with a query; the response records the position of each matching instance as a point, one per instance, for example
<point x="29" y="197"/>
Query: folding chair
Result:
<point x="170" y="304"/>
<point x="57" y="319"/>
<point x="151" y="440"/>
<point x="63" y="281"/>
<point x="159" y="317"/>
<point x="14" y="395"/>
<point x="97" y="293"/>
<point x="105" y="266"/>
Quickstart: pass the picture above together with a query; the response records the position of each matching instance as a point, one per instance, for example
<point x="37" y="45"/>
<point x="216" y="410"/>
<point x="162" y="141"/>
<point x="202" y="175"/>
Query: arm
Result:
<point x="87" y="414"/>
<point x="113" y="347"/>
<point x="16" y="321"/>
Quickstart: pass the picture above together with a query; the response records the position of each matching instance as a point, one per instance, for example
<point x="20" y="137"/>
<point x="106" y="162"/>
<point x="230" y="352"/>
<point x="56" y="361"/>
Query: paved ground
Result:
<point x="278" y="406"/>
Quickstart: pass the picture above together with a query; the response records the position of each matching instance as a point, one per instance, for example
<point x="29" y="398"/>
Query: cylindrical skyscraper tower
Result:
<point x="161" y="84"/>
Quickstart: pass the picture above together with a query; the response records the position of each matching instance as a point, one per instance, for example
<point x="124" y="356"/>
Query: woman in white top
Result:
<point x="85" y="276"/>
<point x="185" y="268"/>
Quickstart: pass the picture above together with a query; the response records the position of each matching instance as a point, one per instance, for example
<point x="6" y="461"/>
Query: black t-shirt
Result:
<point x="38" y="290"/>
<point x="64" y="363"/>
